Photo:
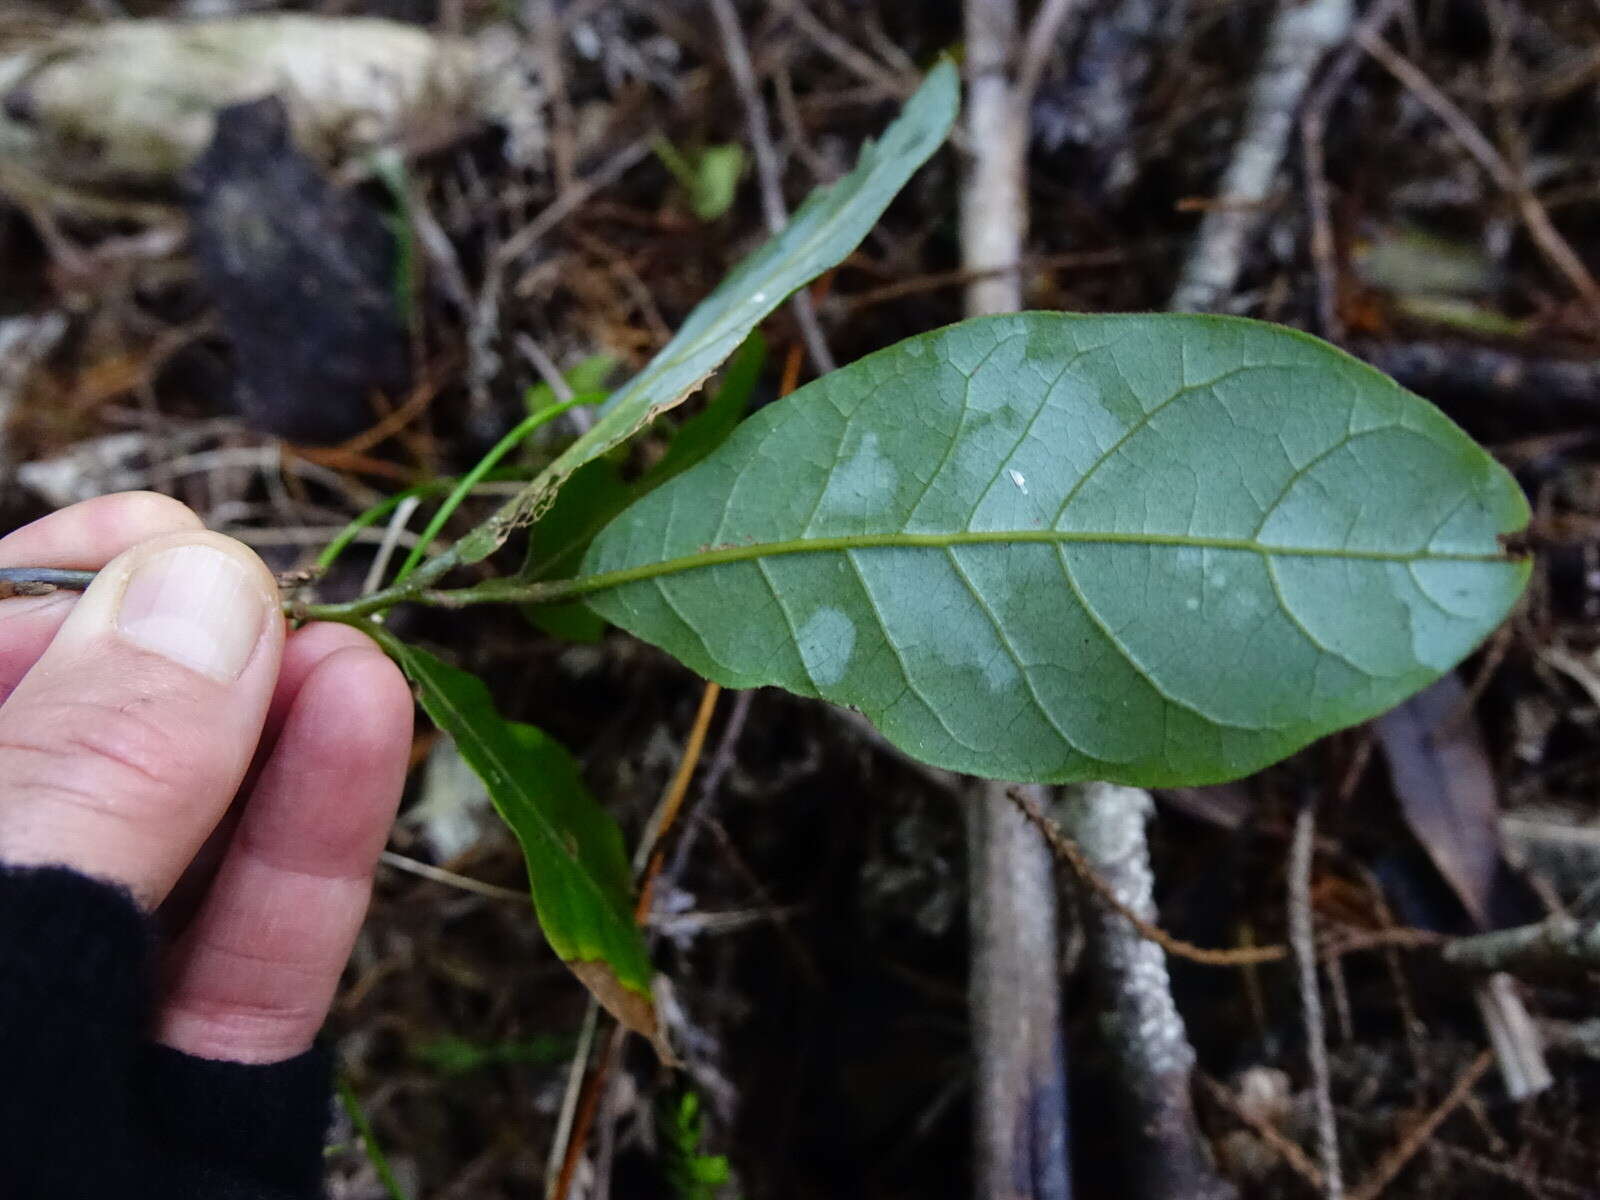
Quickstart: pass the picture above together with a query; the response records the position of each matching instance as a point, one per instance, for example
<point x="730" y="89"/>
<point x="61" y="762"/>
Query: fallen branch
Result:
<point x="1149" y="1045"/>
<point x="1559" y="941"/>
<point x="1021" y="1134"/>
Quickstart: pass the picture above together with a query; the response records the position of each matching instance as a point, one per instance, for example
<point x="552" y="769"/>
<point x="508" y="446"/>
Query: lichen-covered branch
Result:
<point x="1559" y="941"/>
<point x="1167" y="1158"/>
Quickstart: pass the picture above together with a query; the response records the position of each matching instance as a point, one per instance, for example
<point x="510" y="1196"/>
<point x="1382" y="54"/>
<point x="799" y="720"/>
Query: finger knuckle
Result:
<point x="116" y="752"/>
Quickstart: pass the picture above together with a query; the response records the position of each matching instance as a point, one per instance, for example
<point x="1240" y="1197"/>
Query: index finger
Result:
<point x="91" y="534"/>
<point x="85" y="536"/>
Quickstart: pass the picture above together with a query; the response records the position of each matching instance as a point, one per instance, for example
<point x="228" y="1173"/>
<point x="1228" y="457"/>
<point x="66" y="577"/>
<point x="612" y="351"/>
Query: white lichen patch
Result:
<point x="825" y="642"/>
<point x="863" y="484"/>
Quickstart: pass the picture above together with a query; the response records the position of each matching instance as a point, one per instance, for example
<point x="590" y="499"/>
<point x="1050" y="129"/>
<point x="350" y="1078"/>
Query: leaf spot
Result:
<point x="863" y="485"/>
<point x="825" y="642"/>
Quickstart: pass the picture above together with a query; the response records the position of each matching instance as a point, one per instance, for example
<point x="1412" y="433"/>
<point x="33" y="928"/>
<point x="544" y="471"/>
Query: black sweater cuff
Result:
<point x="268" y="1122"/>
<point x="89" y="1107"/>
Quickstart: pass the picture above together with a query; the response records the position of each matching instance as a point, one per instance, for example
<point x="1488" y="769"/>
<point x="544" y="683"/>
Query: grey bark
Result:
<point x="1167" y="1158"/>
<point x="1020" y="1081"/>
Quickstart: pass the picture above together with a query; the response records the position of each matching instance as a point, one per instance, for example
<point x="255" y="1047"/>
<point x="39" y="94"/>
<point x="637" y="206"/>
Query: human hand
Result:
<point x="135" y="717"/>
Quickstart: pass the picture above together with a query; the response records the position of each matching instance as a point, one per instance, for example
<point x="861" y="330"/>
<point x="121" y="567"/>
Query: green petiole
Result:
<point x="473" y="477"/>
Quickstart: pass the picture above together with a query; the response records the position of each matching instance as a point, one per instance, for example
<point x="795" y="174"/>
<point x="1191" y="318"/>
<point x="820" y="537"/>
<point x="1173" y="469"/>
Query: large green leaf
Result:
<point x="827" y="227"/>
<point x="1147" y="549"/>
<point x="577" y="866"/>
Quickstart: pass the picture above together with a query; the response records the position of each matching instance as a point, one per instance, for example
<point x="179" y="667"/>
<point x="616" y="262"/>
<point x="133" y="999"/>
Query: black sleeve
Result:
<point x="90" y="1108"/>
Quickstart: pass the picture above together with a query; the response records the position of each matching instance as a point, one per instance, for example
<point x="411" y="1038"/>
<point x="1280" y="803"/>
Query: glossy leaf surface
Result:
<point x="1145" y="549"/>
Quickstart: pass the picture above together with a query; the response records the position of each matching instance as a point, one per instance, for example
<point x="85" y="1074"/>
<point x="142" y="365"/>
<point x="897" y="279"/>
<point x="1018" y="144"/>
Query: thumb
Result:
<point x="124" y="744"/>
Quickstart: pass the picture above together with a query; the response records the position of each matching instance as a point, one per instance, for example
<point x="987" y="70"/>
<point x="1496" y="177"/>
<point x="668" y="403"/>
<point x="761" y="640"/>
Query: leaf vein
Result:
<point x="1010" y="649"/>
<point x="1125" y="652"/>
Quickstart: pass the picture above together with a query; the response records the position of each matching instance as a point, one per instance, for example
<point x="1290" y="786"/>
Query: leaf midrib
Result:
<point x="717" y="556"/>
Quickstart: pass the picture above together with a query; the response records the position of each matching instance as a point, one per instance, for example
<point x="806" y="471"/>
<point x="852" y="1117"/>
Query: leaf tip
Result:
<point x="1517" y="545"/>
<point x="635" y="1010"/>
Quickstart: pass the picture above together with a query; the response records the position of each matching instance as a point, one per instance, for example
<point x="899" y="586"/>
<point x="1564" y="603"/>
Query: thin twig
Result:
<point x="1301" y="34"/>
<point x="549" y="372"/>
<point x="41" y="581"/>
<point x="1302" y="939"/>
<point x="570" y="1096"/>
<point x="856" y="61"/>
<point x="1050" y="26"/>
<point x="651" y="853"/>
<point x="1394" y="1160"/>
<point x="482" y="362"/>
<point x="391" y="539"/>
<point x="768" y="172"/>
<point x="1313" y="125"/>
<point x="1557" y="941"/>
<point x="1555" y="248"/>
<point x="1070" y="853"/>
<point x="588" y="1105"/>
<point x="711" y="782"/>
<point x="569" y="201"/>
<point x="450" y="879"/>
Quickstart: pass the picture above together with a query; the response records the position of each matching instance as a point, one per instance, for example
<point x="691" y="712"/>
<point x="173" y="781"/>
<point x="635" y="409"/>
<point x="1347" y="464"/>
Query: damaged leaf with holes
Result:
<point x="825" y="229"/>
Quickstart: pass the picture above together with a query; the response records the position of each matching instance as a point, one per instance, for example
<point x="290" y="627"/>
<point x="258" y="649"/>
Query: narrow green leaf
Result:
<point x="577" y="866"/>
<point x="596" y="493"/>
<point x="588" y="501"/>
<point x="1147" y="549"/>
<point x="827" y="227"/>
<point x="704" y="432"/>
